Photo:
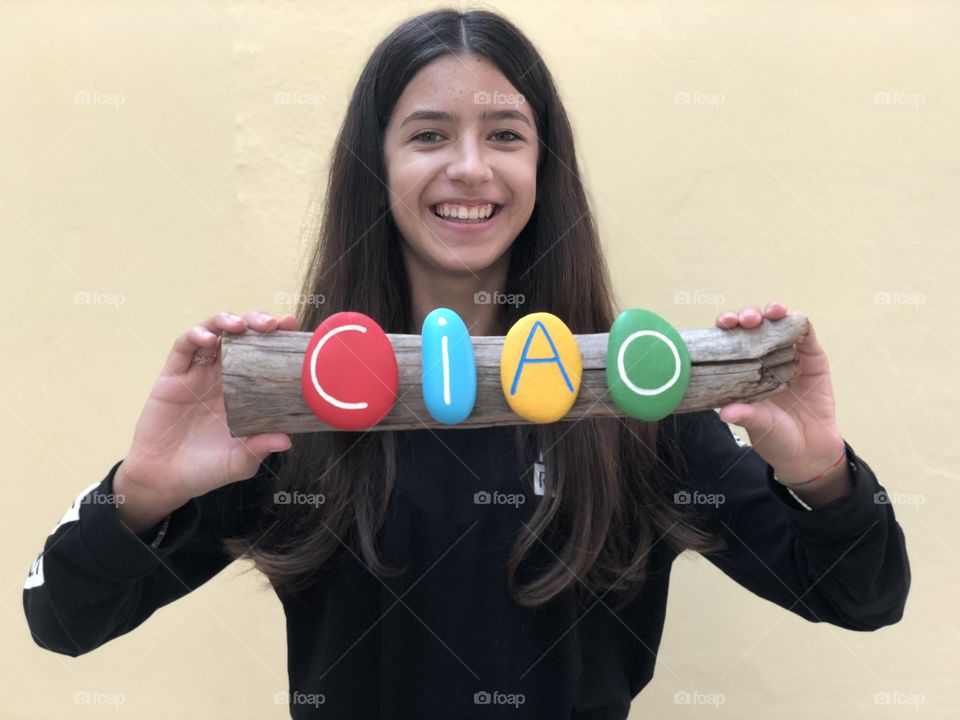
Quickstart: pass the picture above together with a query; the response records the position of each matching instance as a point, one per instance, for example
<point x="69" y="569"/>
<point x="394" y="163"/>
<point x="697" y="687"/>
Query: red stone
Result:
<point x="355" y="367"/>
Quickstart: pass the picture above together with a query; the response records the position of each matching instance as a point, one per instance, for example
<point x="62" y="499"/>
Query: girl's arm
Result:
<point x="844" y="563"/>
<point x="96" y="580"/>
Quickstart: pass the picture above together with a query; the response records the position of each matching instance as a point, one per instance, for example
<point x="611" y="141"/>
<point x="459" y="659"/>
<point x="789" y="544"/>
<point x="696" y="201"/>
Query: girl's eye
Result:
<point x="424" y="137"/>
<point x="509" y="132"/>
<point x="421" y="135"/>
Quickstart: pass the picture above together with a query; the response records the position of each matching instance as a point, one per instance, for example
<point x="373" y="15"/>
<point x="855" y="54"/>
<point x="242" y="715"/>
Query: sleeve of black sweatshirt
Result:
<point x="844" y="563"/>
<point x="96" y="579"/>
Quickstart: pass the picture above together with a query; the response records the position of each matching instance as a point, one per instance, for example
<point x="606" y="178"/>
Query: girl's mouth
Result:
<point x="453" y="219"/>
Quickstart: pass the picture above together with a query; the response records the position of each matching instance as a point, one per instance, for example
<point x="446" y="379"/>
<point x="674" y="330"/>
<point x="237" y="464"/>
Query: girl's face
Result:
<point x="461" y="142"/>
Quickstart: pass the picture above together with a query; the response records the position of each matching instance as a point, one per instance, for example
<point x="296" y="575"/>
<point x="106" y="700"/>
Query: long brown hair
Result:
<point x="612" y="495"/>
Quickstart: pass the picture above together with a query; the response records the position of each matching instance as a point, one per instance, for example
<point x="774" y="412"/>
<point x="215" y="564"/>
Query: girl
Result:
<point x="518" y="571"/>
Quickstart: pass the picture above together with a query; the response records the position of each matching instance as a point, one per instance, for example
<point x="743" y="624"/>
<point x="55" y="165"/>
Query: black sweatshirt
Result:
<point x="445" y="640"/>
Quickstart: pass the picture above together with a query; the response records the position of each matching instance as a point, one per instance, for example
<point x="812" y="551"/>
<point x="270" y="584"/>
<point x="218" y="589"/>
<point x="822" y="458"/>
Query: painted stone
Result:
<point x="449" y="367"/>
<point x="350" y="376"/>
<point x="648" y="367"/>
<point x="540" y="368"/>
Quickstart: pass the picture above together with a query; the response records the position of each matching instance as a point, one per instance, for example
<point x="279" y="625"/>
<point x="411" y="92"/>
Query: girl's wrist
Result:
<point x="138" y="508"/>
<point x="807" y="479"/>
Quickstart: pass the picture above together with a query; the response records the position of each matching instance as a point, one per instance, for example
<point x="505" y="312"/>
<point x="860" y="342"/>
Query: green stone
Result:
<point x="648" y="367"/>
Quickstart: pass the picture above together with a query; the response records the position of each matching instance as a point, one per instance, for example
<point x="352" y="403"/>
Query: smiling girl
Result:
<point x="517" y="571"/>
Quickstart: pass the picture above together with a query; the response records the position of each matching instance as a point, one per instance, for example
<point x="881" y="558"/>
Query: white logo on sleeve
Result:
<point x="538" y="474"/>
<point x="736" y="437"/>
<point x="35" y="575"/>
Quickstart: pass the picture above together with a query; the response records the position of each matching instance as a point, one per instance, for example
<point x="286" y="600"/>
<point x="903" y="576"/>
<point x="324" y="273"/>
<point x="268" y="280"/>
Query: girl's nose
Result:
<point x="469" y="162"/>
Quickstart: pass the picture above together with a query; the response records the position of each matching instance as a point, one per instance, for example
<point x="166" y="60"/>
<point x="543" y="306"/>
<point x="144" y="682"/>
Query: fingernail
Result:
<point x="233" y="318"/>
<point x="263" y="317"/>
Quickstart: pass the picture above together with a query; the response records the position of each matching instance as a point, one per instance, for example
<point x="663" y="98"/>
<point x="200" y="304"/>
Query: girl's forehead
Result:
<point x="463" y="86"/>
<point x="455" y="77"/>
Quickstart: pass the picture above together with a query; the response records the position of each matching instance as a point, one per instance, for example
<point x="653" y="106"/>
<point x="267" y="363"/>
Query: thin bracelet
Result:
<point x="842" y="457"/>
<point x="161" y="532"/>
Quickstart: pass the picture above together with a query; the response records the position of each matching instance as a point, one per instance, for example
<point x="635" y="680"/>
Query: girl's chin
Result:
<point x="464" y="259"/>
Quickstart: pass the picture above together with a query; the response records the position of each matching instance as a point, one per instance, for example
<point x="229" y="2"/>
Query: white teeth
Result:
<point x="461" y="212"/>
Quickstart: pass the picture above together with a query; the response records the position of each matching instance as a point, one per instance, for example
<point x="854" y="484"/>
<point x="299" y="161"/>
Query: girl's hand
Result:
<point x="182" y="447"/>
<point x="795" y="430"/>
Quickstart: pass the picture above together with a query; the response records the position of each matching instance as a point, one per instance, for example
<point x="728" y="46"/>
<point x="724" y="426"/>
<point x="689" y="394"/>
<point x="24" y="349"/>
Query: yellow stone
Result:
<point x="540" y="368"/>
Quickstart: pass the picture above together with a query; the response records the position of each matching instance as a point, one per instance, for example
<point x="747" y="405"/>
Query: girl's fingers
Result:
<point x="201" y="337"/>
<point x="289" y="322"/>
<point x="260" y="321"/>
<point x="775" y="310"/>
<point x="198" y="338"/>
<point x="260" y="445"/>
<point x="205" y="337"/>
<point x="727" y="320"/>
<point x="750" y="316"/>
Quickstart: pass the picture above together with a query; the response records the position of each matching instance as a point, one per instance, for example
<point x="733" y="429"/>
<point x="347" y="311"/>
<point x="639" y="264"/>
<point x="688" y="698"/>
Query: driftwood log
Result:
<point x="261" y="377"/>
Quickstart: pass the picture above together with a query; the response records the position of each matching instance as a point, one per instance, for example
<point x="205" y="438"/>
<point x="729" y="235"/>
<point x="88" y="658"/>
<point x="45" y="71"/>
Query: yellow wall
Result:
<point x="737" y="149"/>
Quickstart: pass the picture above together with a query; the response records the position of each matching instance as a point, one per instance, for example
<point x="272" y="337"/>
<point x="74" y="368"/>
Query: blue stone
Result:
<point x="449" y="367"/>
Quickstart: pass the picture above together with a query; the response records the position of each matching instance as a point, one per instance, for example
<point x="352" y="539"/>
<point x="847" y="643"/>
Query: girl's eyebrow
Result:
<point x="443" y="116"/>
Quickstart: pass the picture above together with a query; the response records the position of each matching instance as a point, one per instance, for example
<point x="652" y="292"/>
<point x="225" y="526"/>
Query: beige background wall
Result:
<point x="737" y="152"/>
